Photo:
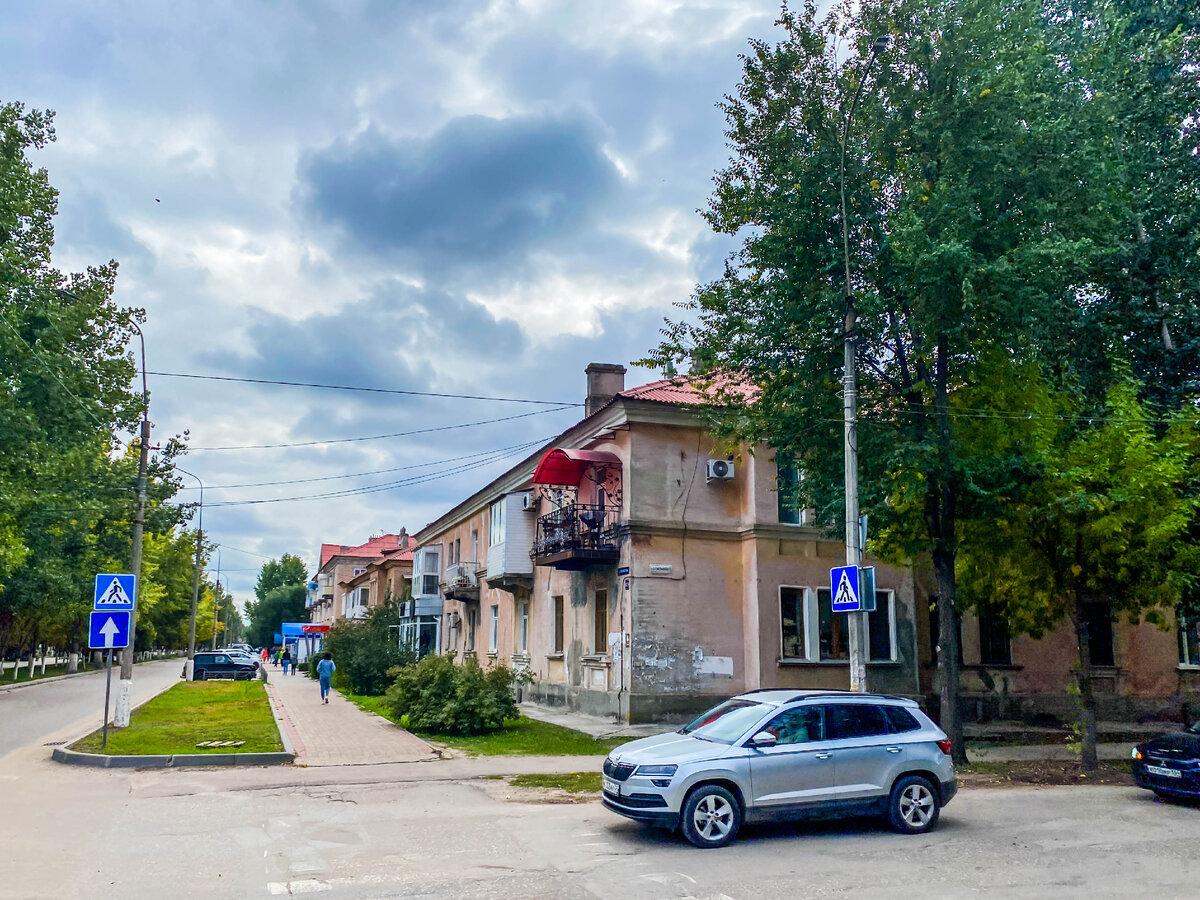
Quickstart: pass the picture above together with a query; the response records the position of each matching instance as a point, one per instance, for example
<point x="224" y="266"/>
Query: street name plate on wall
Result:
<point x="660" y="568"/>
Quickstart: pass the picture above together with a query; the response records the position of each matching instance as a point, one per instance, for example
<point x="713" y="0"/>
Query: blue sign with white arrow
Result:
<point x="115" y="592"/>
<point x="108" y="630"/>
<point x="844" y="580"/>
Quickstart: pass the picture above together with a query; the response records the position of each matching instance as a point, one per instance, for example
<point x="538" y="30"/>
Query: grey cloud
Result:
<point x="478" y="191"/>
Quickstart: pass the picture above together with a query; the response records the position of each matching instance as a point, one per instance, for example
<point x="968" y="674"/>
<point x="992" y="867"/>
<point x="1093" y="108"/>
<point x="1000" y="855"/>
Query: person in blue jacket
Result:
<point x="325" y="670"/>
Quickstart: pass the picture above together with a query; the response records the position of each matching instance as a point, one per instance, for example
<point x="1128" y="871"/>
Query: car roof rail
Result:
<point x="843" y="694"/>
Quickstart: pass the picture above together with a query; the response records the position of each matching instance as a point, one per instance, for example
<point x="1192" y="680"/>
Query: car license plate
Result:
<point x="1166" y="773"/>
<point x="611" y="787"/>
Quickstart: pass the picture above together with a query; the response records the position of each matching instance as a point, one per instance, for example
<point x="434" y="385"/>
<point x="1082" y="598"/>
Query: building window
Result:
<point x="559" y="631"/>
<point x="833" y="635"/>
<point x="494" y="630"/>
<point x="1189" y="642"/>
<point x="475" y="544"/>
<point x="496" y="523"/>
<point x="1097" y="619"/>
<point x="523" y="626"/>
<point x="458" y="550"/>
<point x="472" y="624"/>
<point x="791" y="618"/>
<point x="787" y="482"/>
<point x="431" y="568"/>
<point x="600" y="625"/>
<point x="995" y="645"/>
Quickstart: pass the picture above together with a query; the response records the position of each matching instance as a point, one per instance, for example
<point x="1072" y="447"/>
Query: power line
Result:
<point x="379" y="437"/>
<point x="424" y="465"/>
<point x="371" y="489"/>
<point x="370" y="390"/>
<point x="106" y="426"/>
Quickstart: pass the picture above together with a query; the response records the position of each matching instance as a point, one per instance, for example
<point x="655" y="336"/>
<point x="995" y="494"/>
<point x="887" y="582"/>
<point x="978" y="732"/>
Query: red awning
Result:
<point x="566" y="467"/>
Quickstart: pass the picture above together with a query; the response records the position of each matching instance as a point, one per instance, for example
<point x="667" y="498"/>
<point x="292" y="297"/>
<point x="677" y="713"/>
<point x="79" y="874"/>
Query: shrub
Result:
<point x="443" y="698"/>
<point x="365" y="650"/>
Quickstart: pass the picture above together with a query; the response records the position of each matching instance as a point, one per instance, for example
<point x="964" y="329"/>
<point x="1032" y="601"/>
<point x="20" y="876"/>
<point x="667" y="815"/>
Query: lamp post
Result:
<point x="857" y="621"/>
<point x="216" y="600"/>
<point x="195" y="576"/>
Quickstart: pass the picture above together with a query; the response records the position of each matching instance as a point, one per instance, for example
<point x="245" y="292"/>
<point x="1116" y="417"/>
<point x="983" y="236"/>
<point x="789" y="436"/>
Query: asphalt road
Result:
<point x="420" y="830"/>
<point x="30" y="715"/>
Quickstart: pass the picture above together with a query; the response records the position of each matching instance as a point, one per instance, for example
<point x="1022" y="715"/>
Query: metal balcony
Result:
<point x="576" y="536"/>
<point x="461" y="582"/>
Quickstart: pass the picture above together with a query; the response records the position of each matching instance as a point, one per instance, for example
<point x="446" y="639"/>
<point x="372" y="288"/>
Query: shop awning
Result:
<point x="566" y="467"/>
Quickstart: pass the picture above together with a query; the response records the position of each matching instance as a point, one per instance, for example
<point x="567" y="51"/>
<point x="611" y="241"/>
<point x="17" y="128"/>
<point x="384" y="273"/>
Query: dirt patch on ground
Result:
<point x="500" y="789"/>
<point x="1042" y="772"/>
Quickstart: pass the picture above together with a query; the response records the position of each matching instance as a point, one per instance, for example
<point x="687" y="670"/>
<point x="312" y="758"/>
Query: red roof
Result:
<point x="560" y="466"/>
<point x="372" y="549"/>
<point x="687" y="391"/>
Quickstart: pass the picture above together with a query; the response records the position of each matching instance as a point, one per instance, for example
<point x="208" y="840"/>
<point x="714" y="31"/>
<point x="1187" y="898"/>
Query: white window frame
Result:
<point x="472" y="624"/>
<point x="494" y="630"/>
<point x="496" y="523"/>
<point x="812" y="626"/>
<point x="523" y="626"/>
<point x="431" y="561"/>
<point x="1185" y="660"/>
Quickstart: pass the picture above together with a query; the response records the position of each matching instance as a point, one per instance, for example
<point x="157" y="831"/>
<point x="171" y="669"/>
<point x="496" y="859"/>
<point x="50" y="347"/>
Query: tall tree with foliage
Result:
<point x="1099" y="522"/>
<point x="276" y="573"/>
<point x="282" y="604"/>
<point x="970" y="222"/>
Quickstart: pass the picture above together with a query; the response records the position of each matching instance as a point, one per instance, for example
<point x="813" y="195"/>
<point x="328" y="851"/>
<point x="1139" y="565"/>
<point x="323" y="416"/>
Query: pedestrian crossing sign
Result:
<point x="844" y="580"/>
<point x="115" y="592"/>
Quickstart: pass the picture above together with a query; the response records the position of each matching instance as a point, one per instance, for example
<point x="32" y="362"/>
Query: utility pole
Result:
<point x="195" y="577"/>
<point x="125" y="688"/>
<point x="856" y="621"/>
<point x="216" y="600"/>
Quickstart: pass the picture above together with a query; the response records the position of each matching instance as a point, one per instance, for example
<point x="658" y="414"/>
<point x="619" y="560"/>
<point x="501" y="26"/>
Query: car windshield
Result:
<point x="725" y="723"/>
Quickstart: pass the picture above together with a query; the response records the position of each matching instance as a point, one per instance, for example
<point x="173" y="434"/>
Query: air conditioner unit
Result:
<point x="529" y="502"/>
<point x="720" y="469"/>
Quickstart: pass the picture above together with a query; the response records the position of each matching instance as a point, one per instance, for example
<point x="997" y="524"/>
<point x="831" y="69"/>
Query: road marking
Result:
<point x="669" y="877"/>
<point x="303" y="886"/>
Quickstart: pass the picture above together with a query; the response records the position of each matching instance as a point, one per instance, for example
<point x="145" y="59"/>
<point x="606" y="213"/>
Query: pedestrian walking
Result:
<point x="266" y="653"/>
<point x="286" y="659"/>
<point x="325" y="669"/>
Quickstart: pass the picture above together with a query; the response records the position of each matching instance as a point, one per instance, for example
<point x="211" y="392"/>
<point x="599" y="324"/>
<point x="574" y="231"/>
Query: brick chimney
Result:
<point x="604" y="381"/>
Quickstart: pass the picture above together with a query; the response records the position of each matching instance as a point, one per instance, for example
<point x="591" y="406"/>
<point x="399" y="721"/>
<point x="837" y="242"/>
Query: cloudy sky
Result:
<point x="459" y="196"/>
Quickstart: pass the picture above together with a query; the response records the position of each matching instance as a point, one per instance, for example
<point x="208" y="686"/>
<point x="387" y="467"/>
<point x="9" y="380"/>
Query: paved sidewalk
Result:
<point x="338" y="733"/>
<point x="596" y="726"/>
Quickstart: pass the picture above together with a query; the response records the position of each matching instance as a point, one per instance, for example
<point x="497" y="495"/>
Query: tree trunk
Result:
<point x="941" y="514"/>
<point x="1087" y="696"/>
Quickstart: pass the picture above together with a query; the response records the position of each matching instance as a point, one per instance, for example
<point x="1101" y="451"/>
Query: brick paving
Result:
<point x="338" y="733"/>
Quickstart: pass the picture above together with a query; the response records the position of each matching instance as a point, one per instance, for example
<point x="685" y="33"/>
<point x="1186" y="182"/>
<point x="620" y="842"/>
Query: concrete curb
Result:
<point x="280" y="725"/>
<point x="174" y="761"/>
<point x="178" y="760"/>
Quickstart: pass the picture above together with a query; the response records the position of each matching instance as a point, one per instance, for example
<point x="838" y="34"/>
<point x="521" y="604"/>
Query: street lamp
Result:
<point x="857" y="621"/>
<point x="216" y="599"/>
<point x="195" y="575"/>
<point x="125" y="687"/>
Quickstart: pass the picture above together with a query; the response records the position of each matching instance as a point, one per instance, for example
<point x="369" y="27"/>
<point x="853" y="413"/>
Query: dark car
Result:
<point x="1169" y="764"/>
<point x="217" y="664"/>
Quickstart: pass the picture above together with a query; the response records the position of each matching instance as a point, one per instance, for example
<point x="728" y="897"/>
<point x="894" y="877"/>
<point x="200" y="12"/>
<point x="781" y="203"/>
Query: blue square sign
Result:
<point x="115" y="592"/>
<point x="108" y="630"/>
<point x="844" y="583"/>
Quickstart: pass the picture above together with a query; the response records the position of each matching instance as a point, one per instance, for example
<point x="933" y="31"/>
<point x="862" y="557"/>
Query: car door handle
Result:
<point x="822" y="755"/>
<point x="893" y="749"/>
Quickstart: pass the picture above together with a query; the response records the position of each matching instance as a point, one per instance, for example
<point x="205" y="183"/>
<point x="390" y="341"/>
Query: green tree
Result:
<point x="970" y="226"/>
<point x="276" y="573"/>
<point x="282" y="604"/>
<point x="366" y="650"/>
<point x="1099" y="521"/>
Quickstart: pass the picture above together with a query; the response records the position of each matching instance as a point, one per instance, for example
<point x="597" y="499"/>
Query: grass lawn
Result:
<point x="519" y="737"/>
<point x="572" y="782"/>
<point x="191" y="712"/>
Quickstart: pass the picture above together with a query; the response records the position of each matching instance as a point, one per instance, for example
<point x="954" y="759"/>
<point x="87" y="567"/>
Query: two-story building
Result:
<point x="638" y="570"/>
<point x="353" y="579"/>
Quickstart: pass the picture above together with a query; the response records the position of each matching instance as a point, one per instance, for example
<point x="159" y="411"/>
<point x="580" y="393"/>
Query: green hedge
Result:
<point x="440" y="697"/>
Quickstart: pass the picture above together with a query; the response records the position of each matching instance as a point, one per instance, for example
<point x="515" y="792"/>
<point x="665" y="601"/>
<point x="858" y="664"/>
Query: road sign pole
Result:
<point x="107" y="693"/>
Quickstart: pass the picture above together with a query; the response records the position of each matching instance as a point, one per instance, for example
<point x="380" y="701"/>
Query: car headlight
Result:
<point x="656" y="770"/>
<point x="1137" y="753"/>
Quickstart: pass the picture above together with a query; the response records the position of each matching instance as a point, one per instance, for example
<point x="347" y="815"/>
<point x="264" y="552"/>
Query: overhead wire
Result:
<point x="371" y="390"/>
<point x="379" y="437"/>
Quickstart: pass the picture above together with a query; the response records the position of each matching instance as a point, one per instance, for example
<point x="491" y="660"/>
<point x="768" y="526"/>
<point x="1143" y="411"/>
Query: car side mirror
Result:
<point x="763" y="739"/>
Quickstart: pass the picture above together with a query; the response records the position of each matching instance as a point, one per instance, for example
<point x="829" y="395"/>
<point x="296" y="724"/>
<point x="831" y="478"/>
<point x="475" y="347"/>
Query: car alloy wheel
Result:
<point x="914" y="805"/>
<point x="711" y="816"/>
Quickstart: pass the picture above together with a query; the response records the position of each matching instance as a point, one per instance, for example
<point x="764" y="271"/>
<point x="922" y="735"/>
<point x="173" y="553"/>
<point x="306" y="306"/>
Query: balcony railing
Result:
<point x="461" y="582"/>
<point x="575" y="536"/>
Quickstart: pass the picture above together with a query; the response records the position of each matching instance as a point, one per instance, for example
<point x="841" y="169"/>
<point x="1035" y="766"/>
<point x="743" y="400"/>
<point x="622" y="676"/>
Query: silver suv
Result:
<point x="780" y="754"/>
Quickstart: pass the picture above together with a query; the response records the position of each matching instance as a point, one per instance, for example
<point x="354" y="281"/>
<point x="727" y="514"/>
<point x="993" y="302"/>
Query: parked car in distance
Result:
<point x="784" y="754"/>
<point x="243" y="656"/>
<point x="213" y="664"/>
<point x="1169" y="764"/>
